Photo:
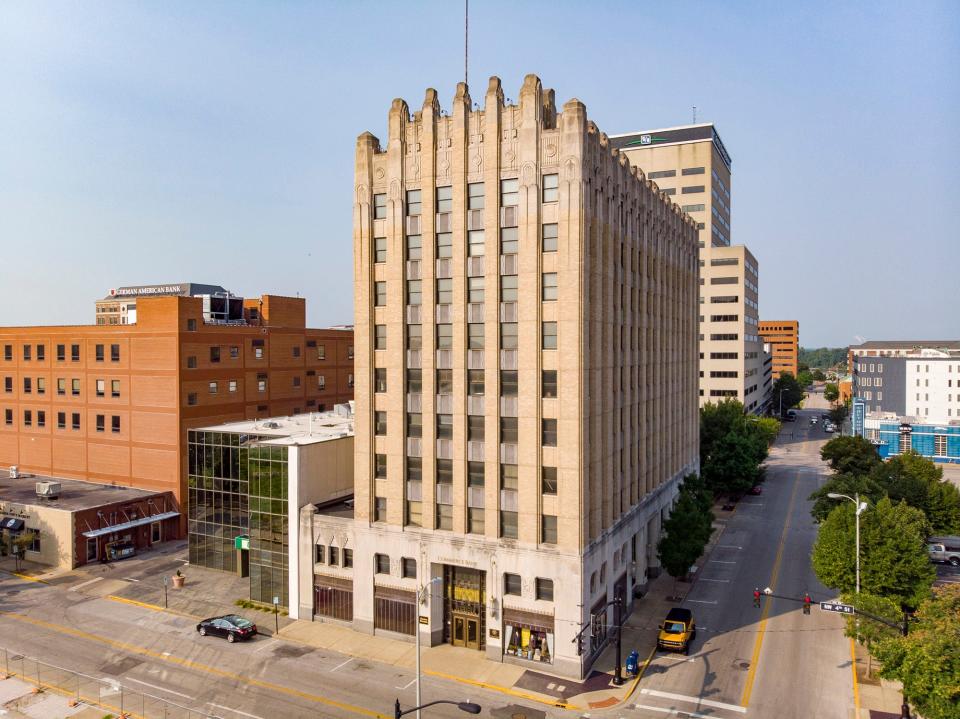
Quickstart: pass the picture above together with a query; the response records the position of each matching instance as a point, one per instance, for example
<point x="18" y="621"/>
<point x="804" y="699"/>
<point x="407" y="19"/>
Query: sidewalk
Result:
<point x="878" y="698"/>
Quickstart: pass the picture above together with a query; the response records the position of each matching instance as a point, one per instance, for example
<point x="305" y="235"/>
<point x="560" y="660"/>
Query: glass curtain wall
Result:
<point x="268" y="523"/>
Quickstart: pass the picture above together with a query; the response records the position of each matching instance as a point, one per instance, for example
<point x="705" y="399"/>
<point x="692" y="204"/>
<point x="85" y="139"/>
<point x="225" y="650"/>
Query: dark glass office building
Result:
<point x="237" y="487"/>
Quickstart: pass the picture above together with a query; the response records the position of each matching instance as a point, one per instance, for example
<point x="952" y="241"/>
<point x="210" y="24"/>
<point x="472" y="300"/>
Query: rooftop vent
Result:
<point x="14" y="471"/>
<point x="48" y="490"/>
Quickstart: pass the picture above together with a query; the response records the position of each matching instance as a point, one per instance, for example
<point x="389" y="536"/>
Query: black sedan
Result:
<point x="230" y="626"/>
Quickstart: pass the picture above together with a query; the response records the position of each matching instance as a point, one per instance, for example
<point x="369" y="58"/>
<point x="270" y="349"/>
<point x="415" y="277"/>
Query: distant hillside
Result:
<point x="823" y="357"/>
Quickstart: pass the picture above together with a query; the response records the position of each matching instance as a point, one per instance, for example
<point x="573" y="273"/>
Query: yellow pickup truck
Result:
<point x="677" y="631"/>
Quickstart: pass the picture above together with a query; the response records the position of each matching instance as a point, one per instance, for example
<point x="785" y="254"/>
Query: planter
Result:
<point x="178" y="582"/>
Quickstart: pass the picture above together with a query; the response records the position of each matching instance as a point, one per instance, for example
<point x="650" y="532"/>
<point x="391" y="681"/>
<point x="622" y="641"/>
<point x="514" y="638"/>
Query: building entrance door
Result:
<point x="466" y="631"/>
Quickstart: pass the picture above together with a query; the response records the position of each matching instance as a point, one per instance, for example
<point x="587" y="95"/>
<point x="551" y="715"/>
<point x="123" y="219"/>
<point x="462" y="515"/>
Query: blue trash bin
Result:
<point x="633" y="663"/>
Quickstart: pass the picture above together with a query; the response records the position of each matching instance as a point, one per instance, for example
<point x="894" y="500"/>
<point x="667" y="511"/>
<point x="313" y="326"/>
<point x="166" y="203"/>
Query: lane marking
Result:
<point x="856" y="685"/>
<point x="342" y="664"/>
<point x="674" y="712"/>
<point x="728" y="546"/>
<point x="231" y="709"/>
<point x="152" y="607"/>
<point x="694" y="700"/>
<point x="755" y="658"/>
<point x="190" y="664"/>
<point x="701" y="601"/>
<point x="724" y="581"/>
<point x="87" y="583"/>
<point x="160" y="688"/>
<point x="719" y="561"/>
<point x="407" y="685"/>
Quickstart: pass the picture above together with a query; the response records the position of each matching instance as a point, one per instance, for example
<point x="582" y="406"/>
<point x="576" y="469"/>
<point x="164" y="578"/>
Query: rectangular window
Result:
<point x="114" y="353"/>
<point x="212" y="387"/>
<point x="939" y="445"/>
<point x="548" y="384"/>
<point x="508" y="430"/>
<point x="27" y="385"/>
<point x="8" y="416"/>
<point x="414" y="424"/>
<point x="551" y="188"/>
<point x="414" y="292"/>
<point x="444" y="336"/>
<point x="74" y="353"/>
<point x="215" y="354"/>
<point x="475" y="196"/>
<point x="115" y="423"/>
<point x="414" y="337"/>
<point x="509" y="522"/>
<point x="318" y="554"/>
<point x="475" y="289"/>
<point x="347" y="558"/>
<point x="444" y="428"/>
<point x="545" y="589"/>
<point x="61" y="353"/>
<point x="380" y="510"/>
<point x="75" y="420"/>
<point x="692" y="171"/>
<point x="101" y="423"/>
<point x="444" y="199"/>
<point x="380" y="337"/>
<point x="379" y="294"/>
<point x="380" y="206"/>
<point x="549" y="335"/>
<point x="444" y="381"/>
<point x="508" y="336"/>
<point x="548" y="529"/>
<point x="475" y="336"/>
<point x="691" y="189"/>
<point x="548" y="480"/>
<point x="232" y="385"/>
<point x="661" y="173"/>
<point x="114" y="388"/>
<point x="550" y="233"/>
<point x="380" y="466"/>
<point x="41" y="352"/>
<point x="380" y="424"/>
<point x="509" y="288"/>
<point x="98" y="351"/>
<point x="509" y="383"/>
<point x="414" y="381"/>
<point x="414" y="247"/>
<point x="444" y="290"/>
<point x="379" y="249"/>
<point x="8" y="384"/>
<point x="512" y="586"/>
<point x="334" y="556"/>
<point x="261" y="382"/>
<point x="444" y="244"/>
<point x="380" y="380"/>
<point x="41" y="418"/>
<point x="693" y="208"/>
<point x="101" y="387"/>
<point x="235" y="352"/>
<point x="509" y="240"/>
<point x="509" y="193"/>
<point x="75" y="387"/>
<point x="414" y="207"/>
<point x="26" y="353"/>
<point x="549" y="286"/>
<point x="61" y="420"/>
<point x="475" y="382"/>
<point x="8" y="352"/>
<point x="548" y="436"/>
<point x="382" y="564"/>
<point x="475" y="428"/>
<point x="476" y="243"/>
<point x="408" y="568"/>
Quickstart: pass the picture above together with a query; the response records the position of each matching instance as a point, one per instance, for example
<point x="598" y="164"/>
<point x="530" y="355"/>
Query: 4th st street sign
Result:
<point x="836" y="607"/>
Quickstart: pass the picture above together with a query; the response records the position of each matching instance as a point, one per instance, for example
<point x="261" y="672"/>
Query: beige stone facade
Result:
<point x="526" y="387"/>
<point x="691" y="164"/>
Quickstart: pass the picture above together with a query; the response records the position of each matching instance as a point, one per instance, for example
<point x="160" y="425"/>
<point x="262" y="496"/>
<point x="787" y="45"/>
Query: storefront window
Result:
<point x="529" y="640"/>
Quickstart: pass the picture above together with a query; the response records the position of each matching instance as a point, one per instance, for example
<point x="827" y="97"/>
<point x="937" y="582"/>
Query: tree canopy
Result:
<point x="918" y="481"/>
<point x="831" y="392"/>
<point x="732" y="447"/>
<point x="850" y="455"/>
<point x="927" y="660"/>
<point x="893" y="555"/>
<point x="687" y="530"/>
<point x="791" y="388"/>
<point x="818" y="375"/>
<point x="823" y="357"/>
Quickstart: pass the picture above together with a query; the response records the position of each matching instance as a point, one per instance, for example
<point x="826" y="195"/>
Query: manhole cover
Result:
<point x="743" y="665"/>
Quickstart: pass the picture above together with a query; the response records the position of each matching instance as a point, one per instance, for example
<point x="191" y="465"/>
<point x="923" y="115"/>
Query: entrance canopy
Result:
<point x="131" y="524"/>
<point x="13" y="524"/>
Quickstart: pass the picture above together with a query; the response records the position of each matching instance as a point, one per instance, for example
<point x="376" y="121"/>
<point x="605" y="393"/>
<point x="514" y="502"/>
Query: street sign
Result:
<point x="836" y="607"/>
<point x="424" y="620"/>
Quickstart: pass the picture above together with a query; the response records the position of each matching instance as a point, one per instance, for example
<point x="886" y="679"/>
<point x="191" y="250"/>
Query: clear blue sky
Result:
<point x="213" y="141"/>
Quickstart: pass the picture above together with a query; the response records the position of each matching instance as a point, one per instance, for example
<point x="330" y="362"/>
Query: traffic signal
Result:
<point x="756" y="597"/>
<point x="806" y="603"/>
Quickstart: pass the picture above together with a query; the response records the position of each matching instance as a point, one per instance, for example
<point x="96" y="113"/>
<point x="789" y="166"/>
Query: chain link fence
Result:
<point x="108" y="695"/>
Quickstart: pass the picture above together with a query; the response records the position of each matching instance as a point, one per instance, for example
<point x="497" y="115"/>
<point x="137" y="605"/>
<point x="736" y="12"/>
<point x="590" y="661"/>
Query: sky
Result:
<point x="212" y="142"/>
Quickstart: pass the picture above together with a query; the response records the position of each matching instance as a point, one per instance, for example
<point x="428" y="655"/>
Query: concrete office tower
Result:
<point x="526" y="307"/>
<point x="691" y="165"/>
<point x="783" y="336"/>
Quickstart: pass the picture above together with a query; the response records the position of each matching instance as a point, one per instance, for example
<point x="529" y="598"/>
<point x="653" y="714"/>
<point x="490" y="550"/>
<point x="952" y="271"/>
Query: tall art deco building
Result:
<point x="526" y="377"/>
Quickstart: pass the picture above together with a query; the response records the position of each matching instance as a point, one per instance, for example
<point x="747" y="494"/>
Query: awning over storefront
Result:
<point x="139" y="522"/>
<point x="13" y="524"/>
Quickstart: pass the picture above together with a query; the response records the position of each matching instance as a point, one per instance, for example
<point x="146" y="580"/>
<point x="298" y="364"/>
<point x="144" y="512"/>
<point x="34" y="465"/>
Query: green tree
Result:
<point x="769" y="428"/>
<point x="867" y="631"/>
<point x="831" y="392"/>
<point x="687" y="530"/>
<point x="804" y="378"/>
<point x="893" y="556"/>
<point x="792" y="391"/>
<point x="823" y="357"/>
<point x="927" y="660"/>
<point x="819" y="376"/>
<point x="848" y="484"/>
<point x="850" y="455"/>
<point x="734" y="467"/>
<point x="839" y="413"/>
<point x="918" y="481"/>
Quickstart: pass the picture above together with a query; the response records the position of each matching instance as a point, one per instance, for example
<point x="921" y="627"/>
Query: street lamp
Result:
<point x="468" y="707"/>
<point x="781" y="400"/>
<point x="421" y="596"/>
<point x="860" y="507"/>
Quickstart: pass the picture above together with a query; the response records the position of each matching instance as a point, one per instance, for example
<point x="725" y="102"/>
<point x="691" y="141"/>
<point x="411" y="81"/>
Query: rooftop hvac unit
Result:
<point x="271" y="425"/>
<point x="48" y="490"/>
<point x="14" y="471"/>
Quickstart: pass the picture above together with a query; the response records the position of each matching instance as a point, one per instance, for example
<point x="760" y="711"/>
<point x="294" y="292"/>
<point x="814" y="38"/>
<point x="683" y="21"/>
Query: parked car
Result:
<point x="231" y="626"/>
<point x="677" y="631"/>
<point x="813" y="420"/>
<point x="756" y="489"/>
<point x="944" y="549"/>
<point x="829" y="427"/>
